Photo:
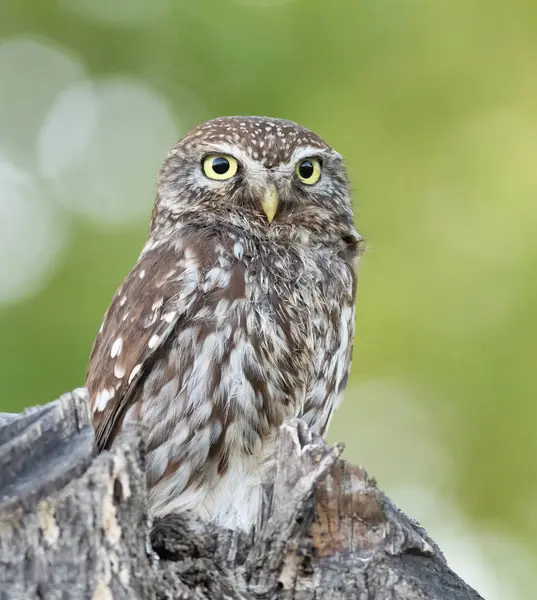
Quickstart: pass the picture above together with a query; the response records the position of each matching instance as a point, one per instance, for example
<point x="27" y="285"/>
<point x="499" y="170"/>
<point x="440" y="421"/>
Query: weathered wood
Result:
<point x="74" y="525"/>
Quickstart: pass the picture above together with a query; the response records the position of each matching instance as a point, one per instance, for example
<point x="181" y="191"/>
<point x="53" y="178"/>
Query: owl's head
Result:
<point x="268" y="176"/>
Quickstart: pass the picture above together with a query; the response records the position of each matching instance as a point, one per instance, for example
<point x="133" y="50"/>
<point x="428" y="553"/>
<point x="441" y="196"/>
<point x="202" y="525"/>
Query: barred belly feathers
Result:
<point x="238" y="315"/>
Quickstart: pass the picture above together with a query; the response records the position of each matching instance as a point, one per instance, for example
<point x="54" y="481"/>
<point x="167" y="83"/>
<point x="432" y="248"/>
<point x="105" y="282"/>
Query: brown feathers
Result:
<point x="228" y="325"/>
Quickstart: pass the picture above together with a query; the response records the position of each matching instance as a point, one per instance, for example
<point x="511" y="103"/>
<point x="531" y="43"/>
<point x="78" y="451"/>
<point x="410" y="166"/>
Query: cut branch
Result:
<point x="74" y="524"/>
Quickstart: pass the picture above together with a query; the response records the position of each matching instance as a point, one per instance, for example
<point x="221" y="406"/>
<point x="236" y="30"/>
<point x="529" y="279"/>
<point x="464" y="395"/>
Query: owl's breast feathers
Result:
<point x="211" y="342"/>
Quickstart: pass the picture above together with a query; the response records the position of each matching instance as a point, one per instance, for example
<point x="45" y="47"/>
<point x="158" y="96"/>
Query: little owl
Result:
<point x="238" y="315"/>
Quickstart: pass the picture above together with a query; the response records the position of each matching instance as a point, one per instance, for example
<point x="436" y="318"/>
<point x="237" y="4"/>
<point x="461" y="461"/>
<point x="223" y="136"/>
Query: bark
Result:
<point x="74" y="524"/>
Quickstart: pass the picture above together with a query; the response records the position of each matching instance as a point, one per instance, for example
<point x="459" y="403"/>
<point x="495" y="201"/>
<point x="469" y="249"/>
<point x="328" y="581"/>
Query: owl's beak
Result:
<point x="270" y="202"/>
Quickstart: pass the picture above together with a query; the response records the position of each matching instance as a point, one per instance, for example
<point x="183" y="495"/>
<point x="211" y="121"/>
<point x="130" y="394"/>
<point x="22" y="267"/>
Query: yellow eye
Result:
<point x="219" y="166"/>
<point x="309" y="170"/>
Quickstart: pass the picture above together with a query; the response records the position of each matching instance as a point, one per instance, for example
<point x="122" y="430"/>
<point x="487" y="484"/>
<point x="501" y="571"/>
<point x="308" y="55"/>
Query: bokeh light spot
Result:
<point x="112" y="180"/>
<point x="67" y="129"/>
<point x="31" y="75"/>
<point x="119" y="12"/>
<point x="31" y="236"/>
<point x="263" y="3"/>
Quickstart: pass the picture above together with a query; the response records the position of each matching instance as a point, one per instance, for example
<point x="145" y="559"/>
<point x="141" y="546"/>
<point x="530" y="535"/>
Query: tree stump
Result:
<point x="74" y="525"/>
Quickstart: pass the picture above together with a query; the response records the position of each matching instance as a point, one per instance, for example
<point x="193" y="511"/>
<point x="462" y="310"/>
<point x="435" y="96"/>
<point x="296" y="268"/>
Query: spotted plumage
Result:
<point x="238" y="315"/>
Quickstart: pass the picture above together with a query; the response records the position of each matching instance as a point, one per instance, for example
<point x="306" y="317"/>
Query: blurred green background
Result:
<point x="433" y="104"/>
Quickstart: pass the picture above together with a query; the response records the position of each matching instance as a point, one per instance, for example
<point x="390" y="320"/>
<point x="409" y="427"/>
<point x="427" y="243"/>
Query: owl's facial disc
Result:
<point x="269" y="177"/>
<point x="270" y="186"/>
<point x="222" y="167"/>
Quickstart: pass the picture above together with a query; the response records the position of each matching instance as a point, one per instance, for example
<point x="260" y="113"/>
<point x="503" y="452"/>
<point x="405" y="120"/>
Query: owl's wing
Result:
<point x="144" y="311"/>
<point x="331" y="373"/>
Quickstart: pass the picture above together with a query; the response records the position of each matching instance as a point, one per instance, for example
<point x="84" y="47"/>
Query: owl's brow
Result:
<point x="248" y="160"/>
<point x="310" y="151"/>
<point x="231" y="149"/>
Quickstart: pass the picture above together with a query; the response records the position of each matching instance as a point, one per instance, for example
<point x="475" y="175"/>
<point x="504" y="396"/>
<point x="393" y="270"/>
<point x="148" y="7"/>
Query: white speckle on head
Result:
<point x="122" y="301"/>
<point x="153" y="342"/>
<point x="101" y="327"/>
<point x="134" y="372"/>
<point x="142" y="274"/>
<point x="119" y="371"/>
<point x="117" y="346"/>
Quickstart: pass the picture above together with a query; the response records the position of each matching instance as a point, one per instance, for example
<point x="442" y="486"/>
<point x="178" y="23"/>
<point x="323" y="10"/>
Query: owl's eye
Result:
<point x="309" y="170"/>
<point x="219" y="166"/>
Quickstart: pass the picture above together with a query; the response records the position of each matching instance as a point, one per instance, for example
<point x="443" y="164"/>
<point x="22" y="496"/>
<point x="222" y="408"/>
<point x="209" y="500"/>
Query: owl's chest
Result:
<point x="279" y="301"/>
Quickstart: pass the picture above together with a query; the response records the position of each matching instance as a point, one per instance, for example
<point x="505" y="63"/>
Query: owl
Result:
<point x="238" y="315"/>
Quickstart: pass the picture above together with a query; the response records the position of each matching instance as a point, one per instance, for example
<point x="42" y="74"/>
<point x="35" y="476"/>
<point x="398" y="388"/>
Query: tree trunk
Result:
<point x="74" y="525"/>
